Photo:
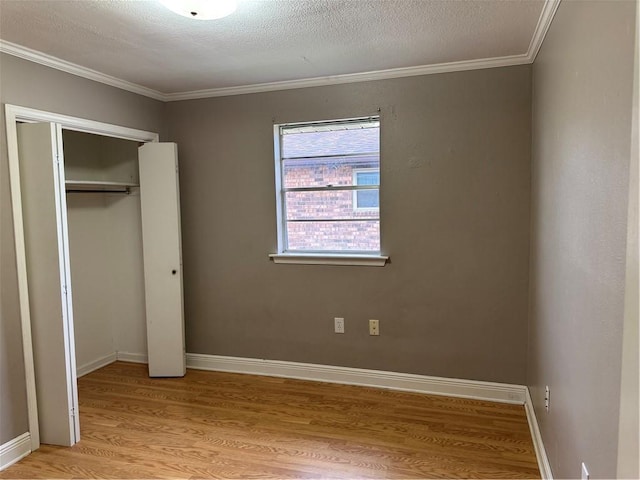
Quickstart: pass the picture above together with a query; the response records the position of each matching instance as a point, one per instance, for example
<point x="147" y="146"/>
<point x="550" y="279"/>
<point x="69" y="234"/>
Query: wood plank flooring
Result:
<point x="220" y="425"/>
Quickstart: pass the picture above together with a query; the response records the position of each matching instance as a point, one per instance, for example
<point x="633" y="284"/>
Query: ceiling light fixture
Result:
<point x="201" y="9"/>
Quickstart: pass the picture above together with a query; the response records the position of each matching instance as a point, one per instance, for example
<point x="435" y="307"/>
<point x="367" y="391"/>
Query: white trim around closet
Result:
<point x="13" y="114"/>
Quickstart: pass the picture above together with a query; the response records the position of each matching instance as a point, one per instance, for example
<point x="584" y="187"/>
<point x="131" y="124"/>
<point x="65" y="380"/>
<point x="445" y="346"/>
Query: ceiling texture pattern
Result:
<point x="270" y="44"/>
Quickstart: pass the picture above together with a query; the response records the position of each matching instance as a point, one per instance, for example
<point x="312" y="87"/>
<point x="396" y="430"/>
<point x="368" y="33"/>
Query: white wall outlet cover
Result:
<point x="338" y="325"/>
<point x="374" y="327"/>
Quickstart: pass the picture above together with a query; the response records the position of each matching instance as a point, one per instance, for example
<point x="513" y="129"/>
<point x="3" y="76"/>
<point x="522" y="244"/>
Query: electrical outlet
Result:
<point x="338" y="325"/>
<point x="585" y="472"/>
<point x="546" y="398"/>
<point x="374" y="327"/>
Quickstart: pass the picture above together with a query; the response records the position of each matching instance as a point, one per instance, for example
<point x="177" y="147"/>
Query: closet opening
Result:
<point x="98" y="257"/>
<point x="104" y="224"/>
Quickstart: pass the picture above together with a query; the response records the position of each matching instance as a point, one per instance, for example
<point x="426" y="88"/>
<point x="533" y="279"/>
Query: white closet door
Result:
<point x="161" y="243"/>
<point x="46" y="244"/>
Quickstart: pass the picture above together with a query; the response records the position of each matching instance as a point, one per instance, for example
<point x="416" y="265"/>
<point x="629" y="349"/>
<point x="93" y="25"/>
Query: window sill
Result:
<point x="329" y="259"/>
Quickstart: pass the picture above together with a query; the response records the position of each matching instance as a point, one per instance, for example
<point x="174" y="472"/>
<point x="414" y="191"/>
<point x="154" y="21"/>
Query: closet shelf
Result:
<point x="98" y="186"/>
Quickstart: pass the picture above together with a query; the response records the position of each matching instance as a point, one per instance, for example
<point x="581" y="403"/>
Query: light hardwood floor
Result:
<point x="220" y="425"/>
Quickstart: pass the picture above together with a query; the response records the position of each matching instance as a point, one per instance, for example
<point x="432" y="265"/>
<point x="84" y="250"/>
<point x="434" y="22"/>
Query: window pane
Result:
<point x="368" y="178"/>
<point x="321" y="172"/>
<point x="368" y="199"/>
<point x="361" y="236"/>
<point x="323" y="205"/>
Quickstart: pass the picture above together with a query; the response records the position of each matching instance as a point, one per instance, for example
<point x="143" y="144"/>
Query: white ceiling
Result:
<point x="277" y="42"/>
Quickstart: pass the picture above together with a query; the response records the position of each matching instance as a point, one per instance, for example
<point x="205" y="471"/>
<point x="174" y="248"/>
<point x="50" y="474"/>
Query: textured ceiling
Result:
<point x="268" y="40"/>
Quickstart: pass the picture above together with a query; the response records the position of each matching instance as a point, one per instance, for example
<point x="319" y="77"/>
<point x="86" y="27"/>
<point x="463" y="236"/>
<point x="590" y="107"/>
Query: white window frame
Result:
<point x="354" y="174"/>
<point x="314" y="257"/>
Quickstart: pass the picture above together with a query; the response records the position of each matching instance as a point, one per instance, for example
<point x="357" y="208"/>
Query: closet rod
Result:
<point x="99" y="190"/>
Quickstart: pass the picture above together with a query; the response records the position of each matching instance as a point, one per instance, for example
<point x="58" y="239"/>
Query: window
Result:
<point x="327" y="187"/>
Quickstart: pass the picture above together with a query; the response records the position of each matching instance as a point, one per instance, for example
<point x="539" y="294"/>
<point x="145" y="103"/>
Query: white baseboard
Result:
<point x="132" y="357"/>
<point x="96" y="364"/>
<point x="112" y="357"/>
<point x="497" y="392"/>
<point x="15" y="450"/>
<point x="541" y="453"/>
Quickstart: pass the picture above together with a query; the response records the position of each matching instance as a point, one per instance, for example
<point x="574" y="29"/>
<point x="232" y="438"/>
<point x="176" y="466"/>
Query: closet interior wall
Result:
<point x="105" y="243"/>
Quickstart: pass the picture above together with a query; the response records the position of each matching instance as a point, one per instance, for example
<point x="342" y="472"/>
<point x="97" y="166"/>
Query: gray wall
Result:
<point x="582" y="91"/>
<point x="455" y="162"/>
<point x="31" y="85"/>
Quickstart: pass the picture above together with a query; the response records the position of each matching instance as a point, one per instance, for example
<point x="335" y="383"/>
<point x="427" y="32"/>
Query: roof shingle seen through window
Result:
<point x="339" y="142"/>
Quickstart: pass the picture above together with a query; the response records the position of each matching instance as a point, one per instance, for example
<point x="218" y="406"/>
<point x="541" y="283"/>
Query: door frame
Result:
<point x="13" y="114"/>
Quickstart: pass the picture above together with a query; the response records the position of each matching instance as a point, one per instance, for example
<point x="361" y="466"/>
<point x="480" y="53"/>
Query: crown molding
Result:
<point x="352" y="77"/>
<point x="78" y="70"/>
<point x="544" y="21"/>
